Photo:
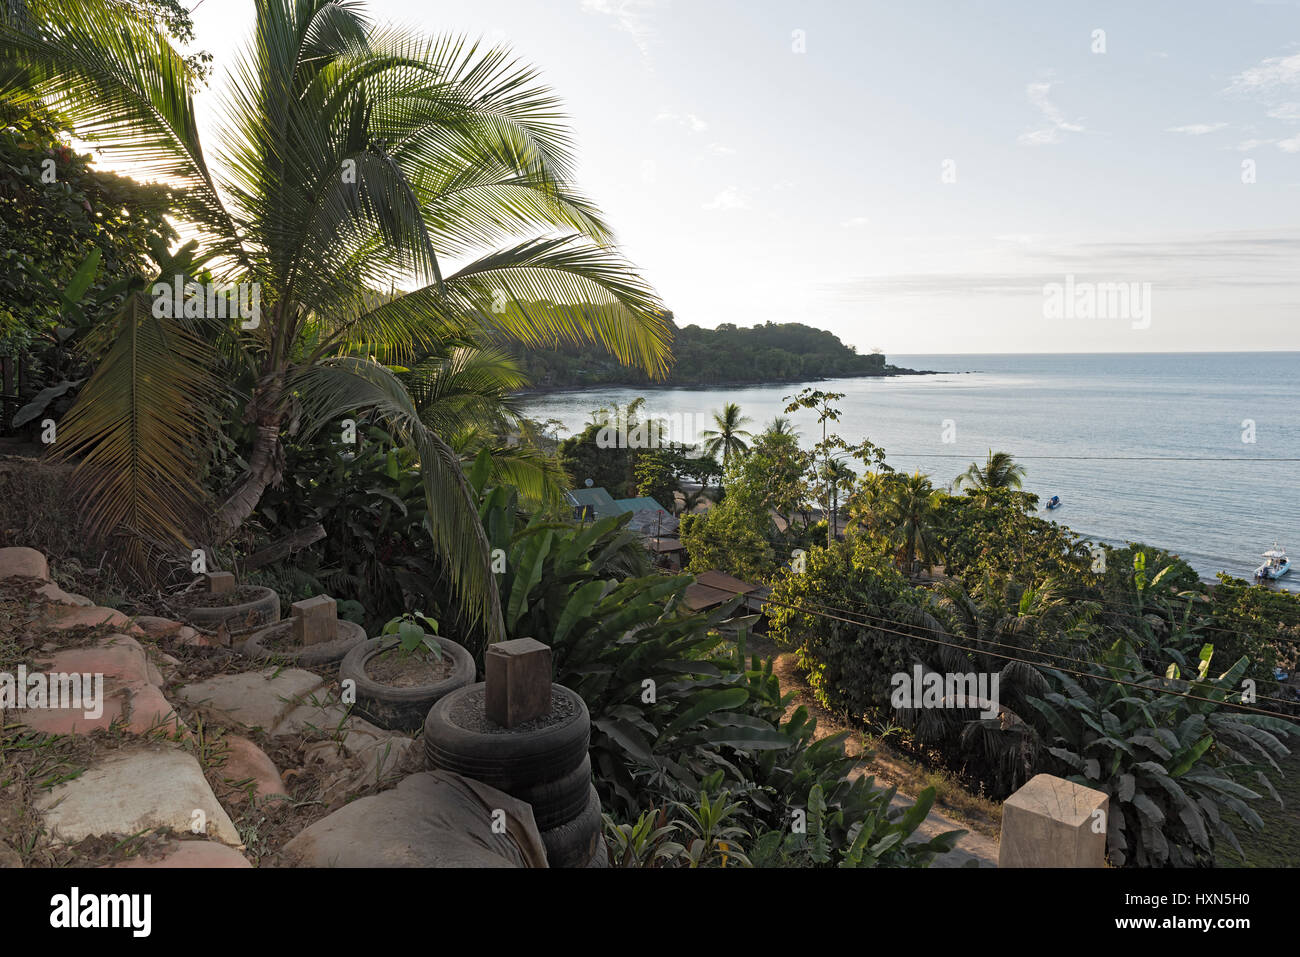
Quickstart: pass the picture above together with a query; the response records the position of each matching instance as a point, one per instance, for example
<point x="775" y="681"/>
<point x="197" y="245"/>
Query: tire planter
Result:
<point x="601" y="858"/>
<point x="510" y="759"/>
<point x="324" y="654"/>
<point x="401" y="709"/>
<point x="561" y="800"/>
<point x="575" y="843"/>
<point x="239" y="619"/>
<point x="543" y="762"/>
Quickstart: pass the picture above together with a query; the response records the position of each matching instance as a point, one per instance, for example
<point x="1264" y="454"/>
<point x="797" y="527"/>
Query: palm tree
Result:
<point x="1000" y="471"/>
<point x="781" y="425"/>
<point x="838" y="477"/>
<point x="729" y="436"/>
<point x="907" y="511"/>
<point x="356" y="161"/>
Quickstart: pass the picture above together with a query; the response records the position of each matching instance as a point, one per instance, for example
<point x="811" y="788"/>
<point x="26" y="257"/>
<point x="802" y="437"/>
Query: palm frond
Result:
<point x="135" y="431"/>
<point x="335" y="387"/>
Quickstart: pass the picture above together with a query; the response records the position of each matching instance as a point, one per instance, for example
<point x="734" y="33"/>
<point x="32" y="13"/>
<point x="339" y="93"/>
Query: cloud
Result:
<point x="688" y="120"/>
<point x="1056" y="122"/>
<point x="1245" y="145"/>
<point x="717" y="149"/>
<point x="1268" y="75"/>
<point x="1196" y="129"/>
<point x="729" y="198"/>
<point x="1287" y="111"/>
<point x="857" y="222"/>
<point x="1246" y="260"/>
<point x="633" y="17"/>
<point x="1290" y="146"/>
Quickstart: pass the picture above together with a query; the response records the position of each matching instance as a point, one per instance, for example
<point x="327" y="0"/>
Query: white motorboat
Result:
<point x="1276" y="564"/>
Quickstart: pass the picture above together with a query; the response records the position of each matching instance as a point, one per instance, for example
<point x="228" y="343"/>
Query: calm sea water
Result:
<point x="1077" y="423"/>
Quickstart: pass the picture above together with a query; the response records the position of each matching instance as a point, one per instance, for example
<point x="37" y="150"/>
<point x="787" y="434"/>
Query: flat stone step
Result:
<point x="136" y="790"/>
<point x="257" y="699"/>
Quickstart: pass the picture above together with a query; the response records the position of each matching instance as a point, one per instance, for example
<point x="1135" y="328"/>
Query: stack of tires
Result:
<point x="545" y="764"/>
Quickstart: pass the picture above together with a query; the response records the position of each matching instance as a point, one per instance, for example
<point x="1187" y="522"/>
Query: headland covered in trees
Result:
<point x="727" y="355"/>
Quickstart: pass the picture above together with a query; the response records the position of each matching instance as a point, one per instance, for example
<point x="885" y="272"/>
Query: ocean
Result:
<point x="1181" y="451"/>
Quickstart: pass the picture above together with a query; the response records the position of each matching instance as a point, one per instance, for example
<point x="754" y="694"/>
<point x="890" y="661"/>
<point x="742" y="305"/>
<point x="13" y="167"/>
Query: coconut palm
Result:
<point x="837" y="476"/>
<point x="356" y="162"/>
<point x="729" y="436"/>
<point x="999" y="471"/>
<point x="907" y="512"/>
<point x="781" y="425"/>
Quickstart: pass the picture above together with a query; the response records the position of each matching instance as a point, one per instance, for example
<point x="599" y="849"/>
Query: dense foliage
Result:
<point x="676" y="712"/>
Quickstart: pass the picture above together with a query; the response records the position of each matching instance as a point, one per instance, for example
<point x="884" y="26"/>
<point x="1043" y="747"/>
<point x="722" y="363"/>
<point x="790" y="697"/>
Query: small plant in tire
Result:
<point x="415" y="632"/>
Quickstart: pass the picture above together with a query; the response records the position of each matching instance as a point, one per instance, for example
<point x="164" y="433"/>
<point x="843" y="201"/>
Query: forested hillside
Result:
<point x="772" y="352"/>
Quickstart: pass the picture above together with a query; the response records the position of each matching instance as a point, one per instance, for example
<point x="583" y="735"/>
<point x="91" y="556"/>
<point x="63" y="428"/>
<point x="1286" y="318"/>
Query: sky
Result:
<point x="926" y="177"/>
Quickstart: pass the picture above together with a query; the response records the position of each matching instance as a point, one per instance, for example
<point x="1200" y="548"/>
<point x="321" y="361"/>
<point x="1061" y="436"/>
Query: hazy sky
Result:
<point x="754" y="182"/>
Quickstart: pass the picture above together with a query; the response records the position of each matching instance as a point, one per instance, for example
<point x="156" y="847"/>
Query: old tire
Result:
<point x="239" y="619"/>
<point x="560" y="801"/>
<point x="510" y="760"/>
<point x="322" y="655"/>
<point x="401" y="709"/>
<point x="575" y="843"/>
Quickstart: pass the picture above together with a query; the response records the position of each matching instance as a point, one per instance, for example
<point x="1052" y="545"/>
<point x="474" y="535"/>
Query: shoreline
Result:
<point x="738" y="384"/>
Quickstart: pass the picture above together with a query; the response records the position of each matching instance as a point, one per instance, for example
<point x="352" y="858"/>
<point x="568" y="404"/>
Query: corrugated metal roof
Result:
<point x="640" y="505"/>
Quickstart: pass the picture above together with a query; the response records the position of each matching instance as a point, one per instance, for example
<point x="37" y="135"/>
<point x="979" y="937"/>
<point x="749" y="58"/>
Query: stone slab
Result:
<point x="133" y="791"/>
<point x="258" y="699"/>
<point x="19" y="562"/>
<point x="192" y="854"/>
<point x="54" y="593"/>
<point x="248" y="769"/>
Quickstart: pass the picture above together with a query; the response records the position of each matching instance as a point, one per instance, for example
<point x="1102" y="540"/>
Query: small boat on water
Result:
<point x="1054" y="502"/>
<point x="1276" y="564"/>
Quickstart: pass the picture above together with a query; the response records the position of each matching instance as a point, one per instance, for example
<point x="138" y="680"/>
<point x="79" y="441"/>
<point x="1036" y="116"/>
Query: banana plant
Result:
<point x="1170" y="754"/>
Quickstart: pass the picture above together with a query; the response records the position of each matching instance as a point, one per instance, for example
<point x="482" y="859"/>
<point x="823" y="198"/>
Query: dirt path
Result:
<point x="979" y="817"/>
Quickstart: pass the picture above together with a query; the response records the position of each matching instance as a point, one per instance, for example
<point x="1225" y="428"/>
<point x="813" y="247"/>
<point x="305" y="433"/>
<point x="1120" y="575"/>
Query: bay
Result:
<point x="1175" y="450"/>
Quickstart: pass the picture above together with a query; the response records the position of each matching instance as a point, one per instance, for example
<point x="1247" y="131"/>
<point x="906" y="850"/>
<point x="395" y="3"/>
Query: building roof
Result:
<point x="725" y="582"/>
<point x="653" y="523"/>
<point x="713" y="588"/>
<point x="701" y="597"/>
<point x="664" y="544"/>
<point x="639" y="505"/>
<point x="600" y="501"/>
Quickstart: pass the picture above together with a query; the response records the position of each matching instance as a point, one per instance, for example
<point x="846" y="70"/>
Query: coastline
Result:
<point x="737" y="383"/>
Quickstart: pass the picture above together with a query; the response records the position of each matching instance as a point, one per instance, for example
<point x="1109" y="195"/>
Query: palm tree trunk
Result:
<point x="265" y="464"/>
